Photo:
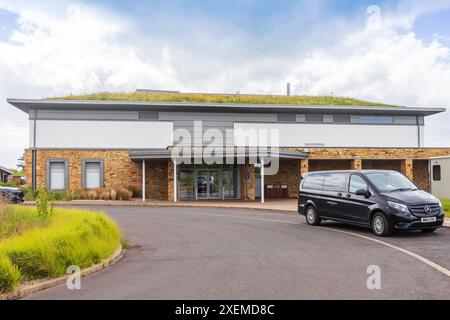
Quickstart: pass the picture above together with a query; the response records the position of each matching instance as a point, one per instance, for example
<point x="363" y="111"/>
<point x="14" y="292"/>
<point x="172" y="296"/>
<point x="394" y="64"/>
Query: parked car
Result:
<point x="14" y="195"/>
<point x="380" y="199"/>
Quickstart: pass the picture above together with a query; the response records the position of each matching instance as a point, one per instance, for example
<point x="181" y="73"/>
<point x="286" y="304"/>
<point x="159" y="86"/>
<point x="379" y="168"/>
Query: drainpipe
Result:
<point x="174" y="180"/>
<point x="143" y="179"/>
<point x="262" y="180"/>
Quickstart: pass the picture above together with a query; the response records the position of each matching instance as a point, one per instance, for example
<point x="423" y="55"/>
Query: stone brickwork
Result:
<point x="119" y="169"/>
<point x="250" y="195"/>
<point x="373" y="153"/>
<point x="156" y="173"/>
<point x="406" y="168"/>
<point x="420" y="174"/>
<point x="169" y="178"/>
<point x="289" y="174"/>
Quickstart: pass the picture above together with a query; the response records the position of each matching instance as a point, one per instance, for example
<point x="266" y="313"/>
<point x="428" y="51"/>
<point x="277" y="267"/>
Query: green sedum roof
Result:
<point x="221" y="98"/>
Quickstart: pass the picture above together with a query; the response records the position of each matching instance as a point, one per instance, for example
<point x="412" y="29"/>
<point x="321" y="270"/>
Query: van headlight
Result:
<point x="399" y="208"/>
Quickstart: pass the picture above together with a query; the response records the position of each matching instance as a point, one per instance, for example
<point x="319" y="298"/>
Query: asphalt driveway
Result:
<point x="202" y="253"/>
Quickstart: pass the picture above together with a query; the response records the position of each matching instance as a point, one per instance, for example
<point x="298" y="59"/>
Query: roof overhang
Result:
<point x="33" y="104"/>
<point x="218" y="153"/>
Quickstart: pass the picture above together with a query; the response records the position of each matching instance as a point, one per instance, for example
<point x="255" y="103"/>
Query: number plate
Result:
<point x="430" y="219"/>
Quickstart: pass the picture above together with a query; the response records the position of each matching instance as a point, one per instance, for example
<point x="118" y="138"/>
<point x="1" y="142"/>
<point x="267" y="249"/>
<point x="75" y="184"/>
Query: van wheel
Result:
<point x="380" y="225"/>
<point x="312" y="217"/>
<point x="429" y="230"/>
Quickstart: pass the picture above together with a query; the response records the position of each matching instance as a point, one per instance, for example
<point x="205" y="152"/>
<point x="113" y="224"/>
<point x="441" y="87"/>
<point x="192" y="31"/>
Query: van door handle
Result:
<point x="331" y="203"/>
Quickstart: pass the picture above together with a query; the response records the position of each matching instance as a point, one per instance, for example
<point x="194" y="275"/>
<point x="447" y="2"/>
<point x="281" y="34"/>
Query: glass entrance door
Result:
<point x="202" y="185"/>
<point x="208" y="185"/>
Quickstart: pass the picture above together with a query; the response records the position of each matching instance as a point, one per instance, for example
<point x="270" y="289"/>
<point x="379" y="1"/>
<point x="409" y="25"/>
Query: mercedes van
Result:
<point x="380" y="199"/>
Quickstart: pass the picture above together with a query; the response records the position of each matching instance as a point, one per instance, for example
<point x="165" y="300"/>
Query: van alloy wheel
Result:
<point x="312" y="217"/>
<point x="380" y="225"/>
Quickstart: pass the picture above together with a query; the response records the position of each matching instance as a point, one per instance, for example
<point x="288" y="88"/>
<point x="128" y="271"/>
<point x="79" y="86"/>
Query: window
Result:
<point x="57" y="172"/>
<point x="314" y="118"/>
<point x="286" y="117"/>
<point x="335" y="182"/>
<point x="405" y="120"/>
<point x="314" y="182"/>
<point x="92" y="173"/>
<point x="341" y="119"/>
<point x="436" y="172"/>
<point x="376" y="119"/>
<point x="356" y="183"/>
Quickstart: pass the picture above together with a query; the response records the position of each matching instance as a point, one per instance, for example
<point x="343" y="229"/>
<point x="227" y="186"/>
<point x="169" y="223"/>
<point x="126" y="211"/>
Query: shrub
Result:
<point x="73" y="237"/>
<point x="9" y="275"/>
<point x="43" y="209"/>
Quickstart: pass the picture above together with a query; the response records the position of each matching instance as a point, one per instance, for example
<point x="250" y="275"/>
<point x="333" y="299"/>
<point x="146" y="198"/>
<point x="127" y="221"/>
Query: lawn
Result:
<point x="35" y="244"/>
<point x="222" y="98"/>
<point x="446" y="205"/>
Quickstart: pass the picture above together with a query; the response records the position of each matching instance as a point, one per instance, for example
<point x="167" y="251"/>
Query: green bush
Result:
<point x="72" y="237"/>
<point x="9" y="274"/>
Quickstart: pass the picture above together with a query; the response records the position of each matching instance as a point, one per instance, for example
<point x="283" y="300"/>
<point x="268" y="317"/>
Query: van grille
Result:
<point x="419" y="210"/>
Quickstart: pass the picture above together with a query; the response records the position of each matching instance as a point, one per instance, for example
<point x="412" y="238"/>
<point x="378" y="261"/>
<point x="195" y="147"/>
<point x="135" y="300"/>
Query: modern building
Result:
<point x="4" y="174"/>
<point x="89" y="143"/>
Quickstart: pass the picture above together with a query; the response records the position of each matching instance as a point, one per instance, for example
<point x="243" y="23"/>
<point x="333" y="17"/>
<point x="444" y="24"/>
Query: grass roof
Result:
<point x="221" y="98"/>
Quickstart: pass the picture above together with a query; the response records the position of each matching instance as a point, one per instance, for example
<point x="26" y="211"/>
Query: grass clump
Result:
<point x="9" y="274"/>
<point x="69" y="237"/>
<point x="446" y="206"/>
<point x="222" y="98"/>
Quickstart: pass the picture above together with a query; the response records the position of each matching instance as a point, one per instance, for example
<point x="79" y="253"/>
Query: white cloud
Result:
<point x="59" y="48"/>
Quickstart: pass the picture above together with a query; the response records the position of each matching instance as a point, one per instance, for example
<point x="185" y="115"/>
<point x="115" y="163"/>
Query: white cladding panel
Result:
<point x="336" y="135"/>
<point x="103" y="134"/>
<point x="440" y="188"/>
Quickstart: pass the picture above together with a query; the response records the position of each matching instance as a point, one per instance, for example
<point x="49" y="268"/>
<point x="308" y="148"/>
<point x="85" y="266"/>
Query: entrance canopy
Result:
<point x="216" y="179"/>
<point x="250" y="152"/>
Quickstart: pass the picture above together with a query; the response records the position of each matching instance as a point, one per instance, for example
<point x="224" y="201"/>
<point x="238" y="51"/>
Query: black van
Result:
<point x="381" y="199"/>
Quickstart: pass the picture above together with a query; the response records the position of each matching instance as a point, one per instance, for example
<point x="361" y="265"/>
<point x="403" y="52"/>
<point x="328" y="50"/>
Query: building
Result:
<point x="90" y="142"/>
<point x="440" y="177"/>
<point x="4" y="174"/>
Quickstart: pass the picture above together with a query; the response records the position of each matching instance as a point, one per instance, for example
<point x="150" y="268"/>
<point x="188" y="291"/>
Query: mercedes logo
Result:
<point x="427" y="209"/>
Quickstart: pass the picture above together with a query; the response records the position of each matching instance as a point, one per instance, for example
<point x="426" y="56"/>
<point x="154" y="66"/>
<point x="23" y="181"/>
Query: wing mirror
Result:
<point x="363" y="192"/>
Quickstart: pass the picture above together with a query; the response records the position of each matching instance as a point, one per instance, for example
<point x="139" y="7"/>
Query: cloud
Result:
<point x="62" y="47"/>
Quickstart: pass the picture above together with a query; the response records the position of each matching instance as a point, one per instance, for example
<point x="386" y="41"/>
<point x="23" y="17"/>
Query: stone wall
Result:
<point x="289" y="174"/>
<point x="156" y="173"/>
<point x="373" y="153"/>
<point x="119" y="169"/>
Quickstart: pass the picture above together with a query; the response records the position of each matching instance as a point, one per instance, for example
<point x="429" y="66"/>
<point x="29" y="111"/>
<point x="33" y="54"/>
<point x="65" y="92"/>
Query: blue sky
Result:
<point x="57" y="47"/>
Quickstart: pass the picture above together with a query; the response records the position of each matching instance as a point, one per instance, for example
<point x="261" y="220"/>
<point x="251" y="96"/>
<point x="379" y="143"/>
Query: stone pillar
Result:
<point x="407" y="168"/>
<point x="356" y="164"/>
<point x="170" y="180"/>
<point x="304" y="166"/>
<point x="251" y="182"/>
<point x="248" y="184"/>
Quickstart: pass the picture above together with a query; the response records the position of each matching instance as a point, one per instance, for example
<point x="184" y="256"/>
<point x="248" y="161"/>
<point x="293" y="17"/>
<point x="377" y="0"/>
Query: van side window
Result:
<point x="356" y="183"/>
<point x="335" y="182"/>
<point x="314" y="182"/>
<point x="436" y="172"/>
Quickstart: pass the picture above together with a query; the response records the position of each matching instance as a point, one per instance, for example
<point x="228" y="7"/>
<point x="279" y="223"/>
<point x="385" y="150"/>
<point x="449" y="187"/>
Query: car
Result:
<point x="15" y="195"/>
<point x="383" y="200"/>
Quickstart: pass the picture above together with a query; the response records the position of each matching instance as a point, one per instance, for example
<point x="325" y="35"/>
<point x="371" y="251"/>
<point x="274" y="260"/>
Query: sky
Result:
<point x="394" y="52"/>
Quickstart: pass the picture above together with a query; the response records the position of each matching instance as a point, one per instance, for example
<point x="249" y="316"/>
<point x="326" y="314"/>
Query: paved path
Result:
<point x="199" y="253"/>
